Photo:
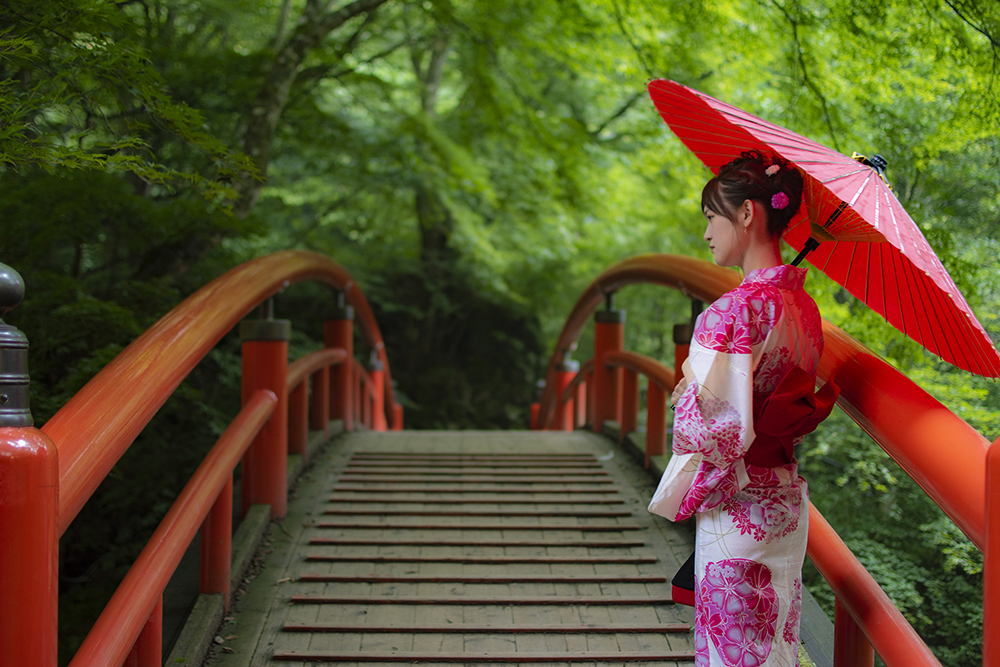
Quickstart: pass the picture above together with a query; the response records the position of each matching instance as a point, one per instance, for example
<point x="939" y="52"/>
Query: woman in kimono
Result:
<point x="745" y="400"/>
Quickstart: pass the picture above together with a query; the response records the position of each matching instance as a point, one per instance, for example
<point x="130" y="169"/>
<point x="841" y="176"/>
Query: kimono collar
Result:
<point x="783" y="277"/>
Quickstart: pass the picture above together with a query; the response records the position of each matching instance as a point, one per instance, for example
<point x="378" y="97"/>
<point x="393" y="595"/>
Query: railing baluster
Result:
<point x="338" y="331"/>
<point x="609" y="335"/>
<point x="29" y="505"/>
<point x="319" y="407"/>
<point x="298" y="419"/>
<point x="216" y="546"/>
<point x="566" y="370"/>
<point x="991" y="560"/>
<point x="148" y="648"/>
<point x="265" y="366"/>
<point x="656" y="421"/>
<point x="850" y="646"/>
<point x="630" y="402"/>
<point x="377" y="376"/>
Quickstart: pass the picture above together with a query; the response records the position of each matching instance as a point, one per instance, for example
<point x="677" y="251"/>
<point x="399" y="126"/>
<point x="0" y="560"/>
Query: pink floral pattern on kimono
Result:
<point x="752" y="521"/>
<point x="791" y="632"/>
<point x="738" y="612"/>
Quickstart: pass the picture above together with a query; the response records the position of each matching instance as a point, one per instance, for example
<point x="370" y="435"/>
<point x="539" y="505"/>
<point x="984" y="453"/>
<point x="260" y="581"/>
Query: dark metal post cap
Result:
<point x="609" y="316"/>
<point x="15" y="409"/>
<point x="683" y="333"/>
<point x="342" y="313"/>
<point x="258" y="330"/>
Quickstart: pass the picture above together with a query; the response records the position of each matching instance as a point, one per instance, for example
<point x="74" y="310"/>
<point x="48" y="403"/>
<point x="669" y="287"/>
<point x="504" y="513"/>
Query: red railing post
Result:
<point x="850" y="646"/>
<point x="265" y="366"/>
<point x="319" y="406"/>
<point x="377" y="375"/>
<point x="216" y="546"/>
<point x="298" y="419"/>
<point x="589" y="398"/>
<point x="609" y="334"/>
<point x="338" y="331"/>
<point x="630" y="402"/>
<point x="566" y="370"/>
<point x="991" y="560"/>
<point x="397" y="419"/>
<point x="29" y="506"/>
<point x="148" y="648"/>
<point x="656" y="421"/>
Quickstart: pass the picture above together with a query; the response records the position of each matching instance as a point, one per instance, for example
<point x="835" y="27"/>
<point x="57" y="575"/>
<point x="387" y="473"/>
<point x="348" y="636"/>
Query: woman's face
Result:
<point x="724" y="239"/>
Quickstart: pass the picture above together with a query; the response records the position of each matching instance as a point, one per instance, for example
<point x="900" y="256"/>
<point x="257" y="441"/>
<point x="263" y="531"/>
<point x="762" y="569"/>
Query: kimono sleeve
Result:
<point x="714" y="416"/>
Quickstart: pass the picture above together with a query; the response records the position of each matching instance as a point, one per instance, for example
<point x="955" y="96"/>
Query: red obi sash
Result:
<point x="784" y="415"/>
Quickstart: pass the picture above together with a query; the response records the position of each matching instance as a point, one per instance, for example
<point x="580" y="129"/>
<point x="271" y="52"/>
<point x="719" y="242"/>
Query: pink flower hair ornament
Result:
<point x="779" y="201"/>
<point x="772" y="170"/>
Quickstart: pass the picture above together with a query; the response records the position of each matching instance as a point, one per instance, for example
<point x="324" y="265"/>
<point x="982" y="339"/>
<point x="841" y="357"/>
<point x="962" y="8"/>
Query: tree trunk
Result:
<point x="316" y="23"/>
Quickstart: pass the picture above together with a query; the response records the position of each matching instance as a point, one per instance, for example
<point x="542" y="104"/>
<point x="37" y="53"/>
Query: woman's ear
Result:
<point x="745" y="216"/>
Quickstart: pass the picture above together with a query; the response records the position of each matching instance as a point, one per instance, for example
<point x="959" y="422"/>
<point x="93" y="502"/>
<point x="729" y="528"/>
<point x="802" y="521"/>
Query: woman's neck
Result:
<point x="761" y="254"/>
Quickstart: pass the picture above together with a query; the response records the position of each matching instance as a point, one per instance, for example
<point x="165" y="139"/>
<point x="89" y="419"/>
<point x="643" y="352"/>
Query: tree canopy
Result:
<point x="474" y="164"/>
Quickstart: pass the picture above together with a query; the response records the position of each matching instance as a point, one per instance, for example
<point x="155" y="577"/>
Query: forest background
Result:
<point x="474" y="164"/>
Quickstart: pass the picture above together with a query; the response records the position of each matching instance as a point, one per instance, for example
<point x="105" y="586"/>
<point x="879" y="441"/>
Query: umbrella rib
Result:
<point x="959" y="333"/>
<point x="918" y="289"/>
<point x="899" y="297"/>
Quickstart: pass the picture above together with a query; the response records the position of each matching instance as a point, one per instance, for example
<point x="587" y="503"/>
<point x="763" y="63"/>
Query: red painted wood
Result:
<point x="264" y="469"/>
<point x="29" y="547"/>
<point x="148" y="648"/>
<point x="216" y="546"/>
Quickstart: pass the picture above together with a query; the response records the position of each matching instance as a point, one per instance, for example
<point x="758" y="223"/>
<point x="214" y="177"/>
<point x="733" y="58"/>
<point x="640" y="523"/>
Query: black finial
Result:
<point x="11" y="289"/>
<point x="15" y="410"/>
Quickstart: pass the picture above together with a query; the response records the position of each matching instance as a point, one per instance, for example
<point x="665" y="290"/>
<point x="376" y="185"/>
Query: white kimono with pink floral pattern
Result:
<point x="752" y="521"/>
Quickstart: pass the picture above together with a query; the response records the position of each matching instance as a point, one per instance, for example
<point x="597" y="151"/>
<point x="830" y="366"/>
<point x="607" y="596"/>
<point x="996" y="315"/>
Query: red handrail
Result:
<point x="657" y="373"/>
<point x="119" y="625"/>
<point x="100" y="422"/>
<point x="697" y="278"/>
<point x="305" y="366"/>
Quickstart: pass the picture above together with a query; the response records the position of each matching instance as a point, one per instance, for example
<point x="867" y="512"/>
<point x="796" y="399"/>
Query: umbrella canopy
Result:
<point x="867" y="241"/>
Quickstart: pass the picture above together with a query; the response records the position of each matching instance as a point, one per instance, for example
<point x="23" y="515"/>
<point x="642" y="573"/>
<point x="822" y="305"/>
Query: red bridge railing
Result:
<point x="47" y="475"/>
<point x="939" y="450"/>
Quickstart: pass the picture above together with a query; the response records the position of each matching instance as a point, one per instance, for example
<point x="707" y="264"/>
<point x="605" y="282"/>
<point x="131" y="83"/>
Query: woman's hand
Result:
<point x="683" y="384"/>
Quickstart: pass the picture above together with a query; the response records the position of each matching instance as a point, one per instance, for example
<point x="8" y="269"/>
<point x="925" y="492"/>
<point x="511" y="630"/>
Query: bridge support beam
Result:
<point x="265" y="366"/>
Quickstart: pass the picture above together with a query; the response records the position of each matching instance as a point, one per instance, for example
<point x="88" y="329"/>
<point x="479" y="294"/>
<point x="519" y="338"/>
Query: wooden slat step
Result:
<point x="479" y="657"/>
<point x="471" y="457"/>
<point x="514" y="579"/>
<point x="592" y="514"/>
<point x="454" y="474"/>
<point x="487" y="560"/>
<point x="617" y="544"/>
<point x="468" y="629"/>
<point x="539" y="600"/>
<point x="475" y="465"/>
<point x="384" y="490"/>
<point x="475" y="501"/>
<point x="582" y="527"/>
<point x="470" y="480"/>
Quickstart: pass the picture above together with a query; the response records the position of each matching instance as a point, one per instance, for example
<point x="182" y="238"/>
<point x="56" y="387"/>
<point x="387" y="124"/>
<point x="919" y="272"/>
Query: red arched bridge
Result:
<point x="404" y="547"/>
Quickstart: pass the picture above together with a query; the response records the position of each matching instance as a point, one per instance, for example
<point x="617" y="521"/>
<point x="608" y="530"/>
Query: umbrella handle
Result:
<point x="811" y="244"/>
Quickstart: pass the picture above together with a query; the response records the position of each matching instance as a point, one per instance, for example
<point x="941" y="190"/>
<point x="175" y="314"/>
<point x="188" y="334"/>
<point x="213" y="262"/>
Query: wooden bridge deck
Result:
<point x="465" y="547"/>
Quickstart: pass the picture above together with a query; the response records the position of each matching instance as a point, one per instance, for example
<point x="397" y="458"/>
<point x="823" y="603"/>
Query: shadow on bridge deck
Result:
<point x="465" y="547"/>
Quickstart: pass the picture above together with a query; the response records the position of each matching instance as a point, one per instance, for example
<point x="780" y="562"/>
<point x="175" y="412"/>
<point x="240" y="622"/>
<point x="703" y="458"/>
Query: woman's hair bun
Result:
<point x="763" y="177"/>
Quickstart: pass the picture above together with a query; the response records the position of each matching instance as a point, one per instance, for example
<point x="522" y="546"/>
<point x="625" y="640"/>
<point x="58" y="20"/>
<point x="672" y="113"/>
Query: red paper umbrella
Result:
<point x="863" y="238"/>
